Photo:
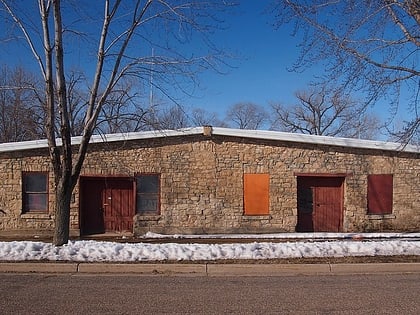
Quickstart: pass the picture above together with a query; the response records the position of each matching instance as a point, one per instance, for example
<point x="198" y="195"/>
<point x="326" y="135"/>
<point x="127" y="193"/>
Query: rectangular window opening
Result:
<point x="148" y="194"/>
<point x="35" y="192"/>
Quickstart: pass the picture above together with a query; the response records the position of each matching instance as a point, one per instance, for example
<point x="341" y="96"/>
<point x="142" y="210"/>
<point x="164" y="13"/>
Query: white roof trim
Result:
<point x="241" y="133"/>
<point x="41" y="144"/>
<point x="311" y="139"/>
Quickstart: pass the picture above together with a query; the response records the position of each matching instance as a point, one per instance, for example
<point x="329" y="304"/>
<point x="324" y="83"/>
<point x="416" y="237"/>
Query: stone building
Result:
<point x="218" y="180"/>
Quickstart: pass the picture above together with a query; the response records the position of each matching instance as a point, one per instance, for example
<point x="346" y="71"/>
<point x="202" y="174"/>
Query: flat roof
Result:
<point x="321" y="140"/>
<point x="241" y="133"/>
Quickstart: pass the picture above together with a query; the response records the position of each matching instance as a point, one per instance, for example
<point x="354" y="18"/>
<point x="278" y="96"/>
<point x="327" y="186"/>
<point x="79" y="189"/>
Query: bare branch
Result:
<point x="369" y="48"/>
<point x="28" y="38"/>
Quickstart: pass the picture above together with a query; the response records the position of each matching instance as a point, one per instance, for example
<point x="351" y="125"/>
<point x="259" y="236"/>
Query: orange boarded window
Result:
<point x="256" y="192"/>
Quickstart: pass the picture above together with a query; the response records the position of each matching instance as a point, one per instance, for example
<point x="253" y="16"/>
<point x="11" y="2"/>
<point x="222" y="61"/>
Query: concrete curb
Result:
<point x="34" y="267"/>
<point x="266" y="269"/>
<point x="196" y="269"/>
<point x="375" y="268"/>
<point x="210" y="269"/>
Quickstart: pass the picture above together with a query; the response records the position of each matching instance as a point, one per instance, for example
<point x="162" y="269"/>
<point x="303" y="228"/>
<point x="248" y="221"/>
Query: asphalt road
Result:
<point x="140" y="294"/>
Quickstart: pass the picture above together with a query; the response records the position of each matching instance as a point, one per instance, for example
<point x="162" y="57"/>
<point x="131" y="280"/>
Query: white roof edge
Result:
<point x="142" y="135"/>
<point x="24" y="145"/>
<point x="311" y="139"/>
<point x="242" y="133"/>
<point x="41" y="144"/>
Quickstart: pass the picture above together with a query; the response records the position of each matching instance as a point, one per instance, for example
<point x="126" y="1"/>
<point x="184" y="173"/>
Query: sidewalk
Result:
<point x="209" y="269"/>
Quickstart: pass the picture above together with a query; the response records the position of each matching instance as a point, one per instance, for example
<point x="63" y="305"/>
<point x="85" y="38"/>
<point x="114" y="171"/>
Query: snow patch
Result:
<point x="314" y="245"/>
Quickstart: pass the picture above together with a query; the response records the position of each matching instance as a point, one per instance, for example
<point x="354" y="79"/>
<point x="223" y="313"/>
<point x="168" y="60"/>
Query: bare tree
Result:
<point x="246" y="116"/>
<point x="325" y="113"/>
<point x="369" y="47"/>
<point x="113" y="46"/>
<point x="177" y="117"/>
<point x="123" y="111"/>
<point x="409" y="133"/>
<point x="201" y="117"/>
<point x="76" y="100"/>
<point x="20" y="112"/>
<point x="169" y="118"/>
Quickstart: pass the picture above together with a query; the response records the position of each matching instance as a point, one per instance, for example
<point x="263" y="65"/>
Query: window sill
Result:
<point x="148" y="217"/>
<point x="256" y="217"/>
<point x="35" y="215"/>
<point x="381" y="216"/>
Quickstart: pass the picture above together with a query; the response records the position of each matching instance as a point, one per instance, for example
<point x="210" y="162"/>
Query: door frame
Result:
<point x="101" y="178"/>
<point x="321" y="176"/>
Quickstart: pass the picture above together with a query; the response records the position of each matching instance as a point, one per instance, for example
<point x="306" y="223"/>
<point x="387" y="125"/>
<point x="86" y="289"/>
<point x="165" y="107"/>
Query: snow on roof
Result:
<point x="241" y="133"/>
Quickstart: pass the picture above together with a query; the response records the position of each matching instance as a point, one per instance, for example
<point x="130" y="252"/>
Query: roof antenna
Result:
<point x="151" y="80"/>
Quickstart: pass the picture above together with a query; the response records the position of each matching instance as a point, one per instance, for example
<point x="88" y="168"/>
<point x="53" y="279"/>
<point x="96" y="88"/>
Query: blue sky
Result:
<point x="259" y="74"/>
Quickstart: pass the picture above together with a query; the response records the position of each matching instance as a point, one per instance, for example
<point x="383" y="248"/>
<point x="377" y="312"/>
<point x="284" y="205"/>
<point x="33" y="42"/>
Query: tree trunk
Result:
<point x="62" y="214"/>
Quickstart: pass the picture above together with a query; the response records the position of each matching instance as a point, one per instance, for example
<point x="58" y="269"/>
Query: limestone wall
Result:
<point x="11" y="167"/>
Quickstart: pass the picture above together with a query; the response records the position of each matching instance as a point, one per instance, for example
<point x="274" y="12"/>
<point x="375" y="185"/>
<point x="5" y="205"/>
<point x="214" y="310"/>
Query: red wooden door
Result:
<point x="328" y="207"/>
<point x="106" y="205"/>
<point x="320" y="204"/>
<point x="118" y="206"/>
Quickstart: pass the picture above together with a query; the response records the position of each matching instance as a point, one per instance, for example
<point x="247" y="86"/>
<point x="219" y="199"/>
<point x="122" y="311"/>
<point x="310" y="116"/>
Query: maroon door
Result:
<point x="91" y="214"/>
<point x="106" y="205"/>
<point x="320" y="204"/>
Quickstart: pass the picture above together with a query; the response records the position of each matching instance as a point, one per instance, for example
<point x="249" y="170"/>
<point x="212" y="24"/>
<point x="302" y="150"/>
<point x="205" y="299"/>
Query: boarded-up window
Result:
<point x="148" y="194"/>
<point x="256" y="194"/>
<point x="35" y="192"/>
<point x="379" y="194"/>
